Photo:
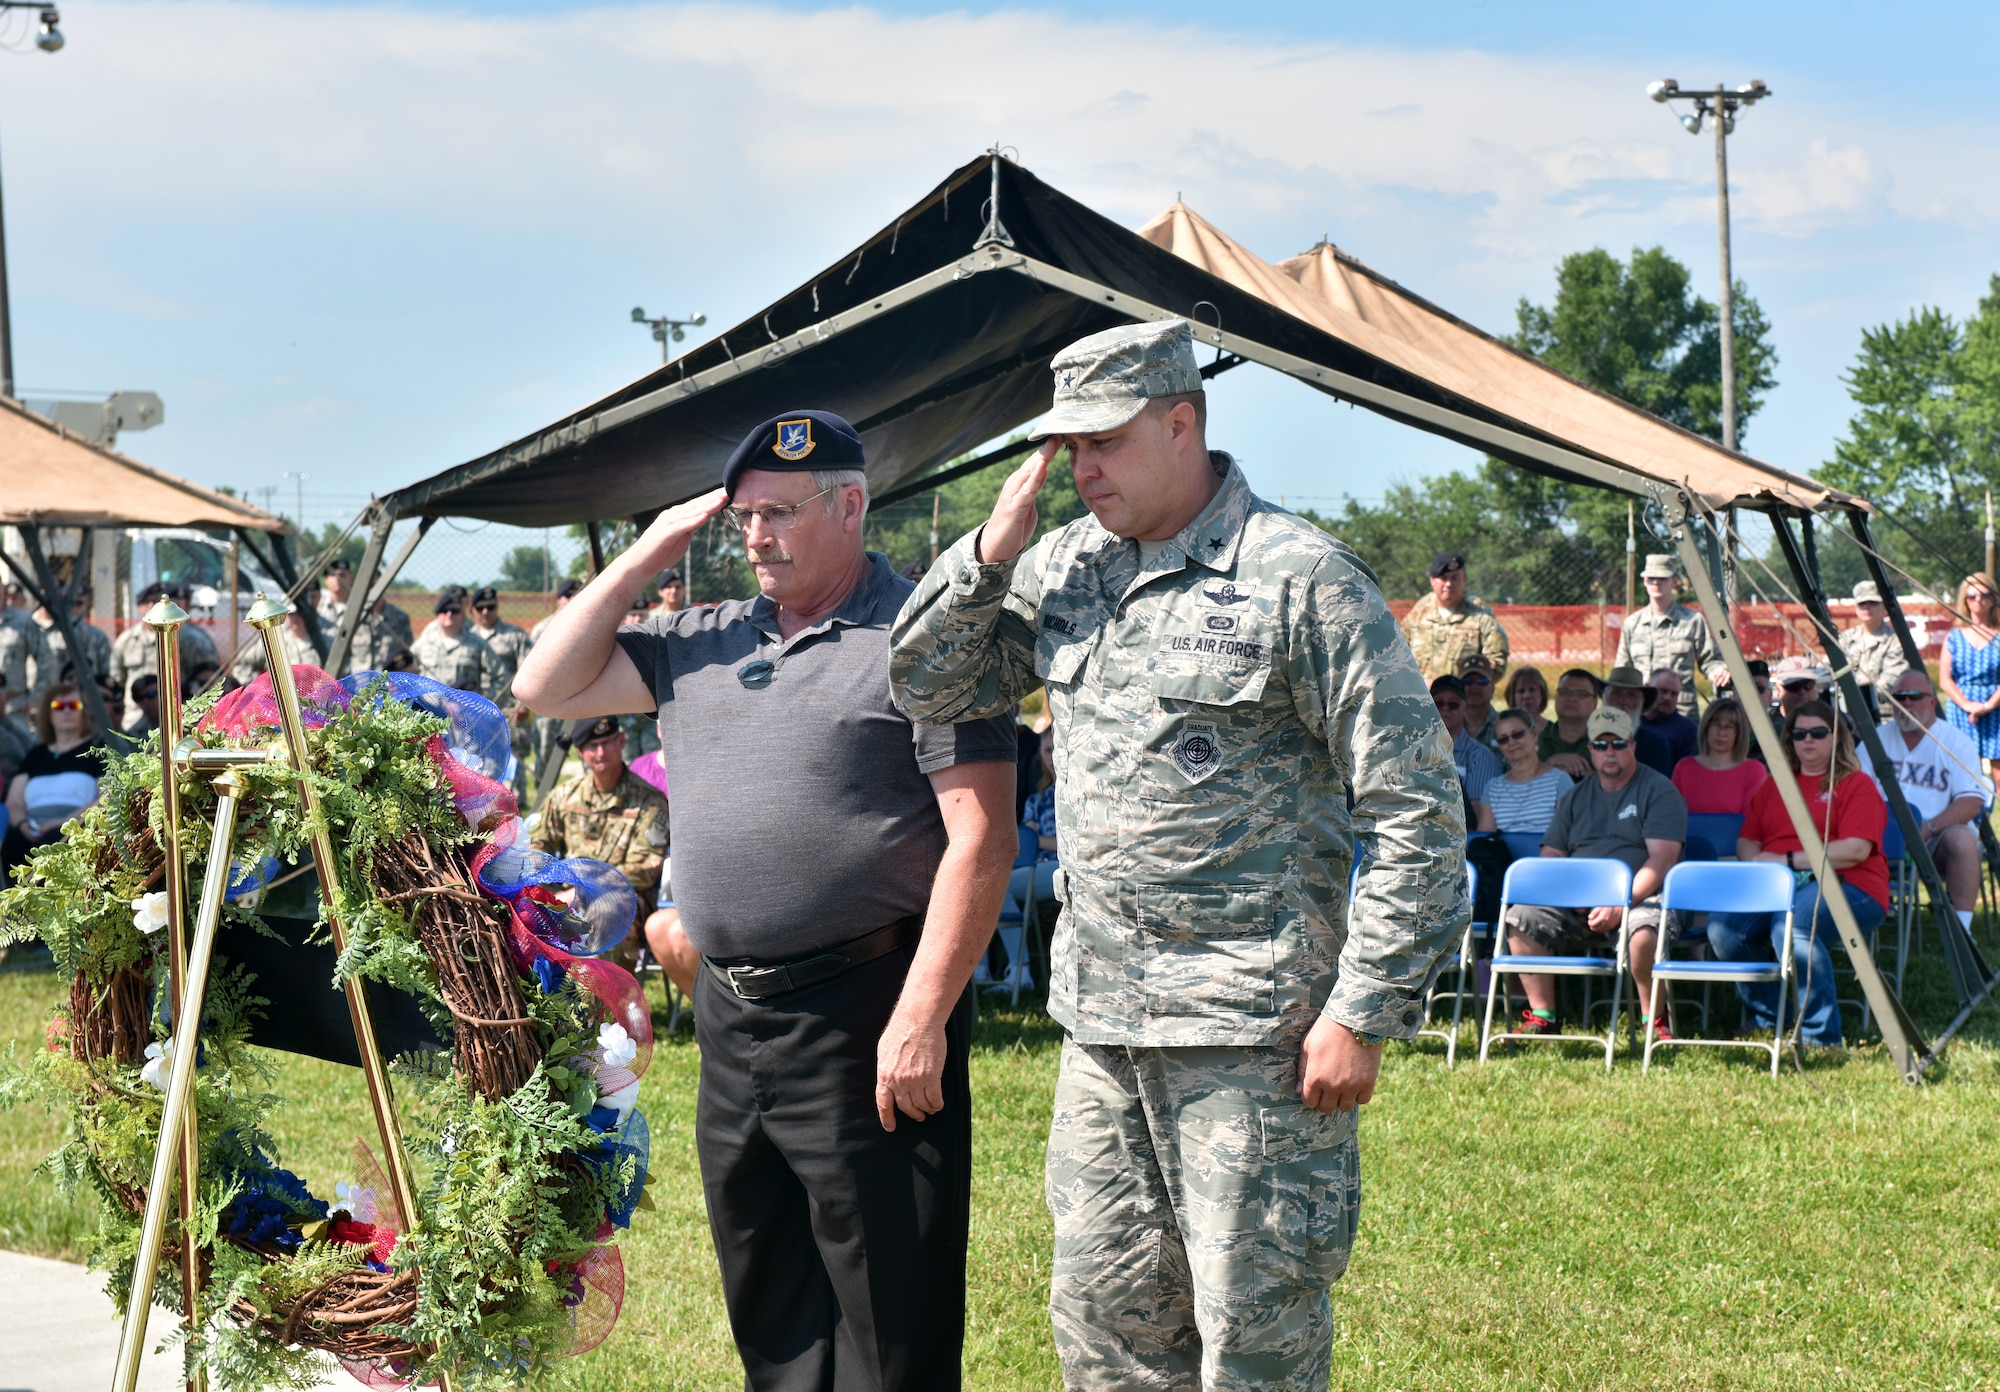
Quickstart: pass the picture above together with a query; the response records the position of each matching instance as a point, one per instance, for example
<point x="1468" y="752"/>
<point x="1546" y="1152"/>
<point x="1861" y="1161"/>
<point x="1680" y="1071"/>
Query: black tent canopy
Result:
<point x="935" y="335"/>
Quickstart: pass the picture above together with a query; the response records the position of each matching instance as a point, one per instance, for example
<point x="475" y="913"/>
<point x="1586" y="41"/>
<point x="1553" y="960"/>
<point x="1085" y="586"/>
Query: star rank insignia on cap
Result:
<point x="795" y="439"/>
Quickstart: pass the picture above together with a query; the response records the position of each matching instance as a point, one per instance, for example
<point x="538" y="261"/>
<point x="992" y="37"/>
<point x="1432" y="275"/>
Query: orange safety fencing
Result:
<point x="1586" y="635"/>
<point x="525" y="608"/>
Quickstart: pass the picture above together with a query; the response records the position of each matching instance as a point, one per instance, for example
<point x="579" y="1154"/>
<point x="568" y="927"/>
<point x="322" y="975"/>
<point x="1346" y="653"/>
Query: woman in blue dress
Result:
<point x="1969" y="670"/>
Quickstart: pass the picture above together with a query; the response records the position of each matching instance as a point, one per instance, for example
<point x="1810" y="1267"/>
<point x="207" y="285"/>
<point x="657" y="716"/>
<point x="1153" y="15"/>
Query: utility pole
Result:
<point x="49" y="40"/>
<point x="1719" y="106"/>
<point x="299" y="481"/>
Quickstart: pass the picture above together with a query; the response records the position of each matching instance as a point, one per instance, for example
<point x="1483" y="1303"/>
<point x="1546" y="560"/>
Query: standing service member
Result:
<point x="1237" y="719"/>
<point x="840" y="870"/>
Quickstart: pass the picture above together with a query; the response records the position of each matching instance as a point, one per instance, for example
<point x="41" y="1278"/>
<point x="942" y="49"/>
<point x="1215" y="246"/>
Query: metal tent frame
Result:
<point x="932" y="354"/>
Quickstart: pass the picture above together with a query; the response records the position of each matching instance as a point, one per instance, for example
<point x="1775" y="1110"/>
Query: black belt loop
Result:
<point x="759" y="981"/>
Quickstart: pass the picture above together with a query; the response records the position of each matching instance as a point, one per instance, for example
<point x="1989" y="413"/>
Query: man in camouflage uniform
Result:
<point x="132" y="652"/>
<point x="1444" y="625"/>
<point x="1872" y="645"/>
<point x="293" y="642"/>
<point x="446" y="653"/>
<point x="27" y="662"/>
<point x="96" y="644"/>
<point x="337" y="584"/>
<point x="509" y="643"/>
<point x="378" y="646"/>
<point x="1667" y="633"/>
<point x="604" y="812"/>
<point x="1223" y="678"/>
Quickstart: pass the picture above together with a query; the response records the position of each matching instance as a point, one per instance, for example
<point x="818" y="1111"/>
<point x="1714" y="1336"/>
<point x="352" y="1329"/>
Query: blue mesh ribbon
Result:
<point x="597" y="919"/>
<point x="479" y="737"/>
<point x="635" y="1140"/>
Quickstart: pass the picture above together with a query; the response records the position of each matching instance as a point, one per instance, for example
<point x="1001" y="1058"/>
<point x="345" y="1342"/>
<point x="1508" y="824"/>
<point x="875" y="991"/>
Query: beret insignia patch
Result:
<point x="795" y="439"/>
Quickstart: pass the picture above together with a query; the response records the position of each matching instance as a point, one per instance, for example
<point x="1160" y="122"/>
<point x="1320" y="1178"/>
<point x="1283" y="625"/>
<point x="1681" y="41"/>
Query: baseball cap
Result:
<point x="1105" y="380"/>
<point x="1659" y="566"/>
<point x="1609" y="720"/>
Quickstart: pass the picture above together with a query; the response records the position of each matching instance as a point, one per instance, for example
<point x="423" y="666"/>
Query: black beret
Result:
<point x="1446" y="561"/>
<point x="670" y="576"/>
<point x="486" y="593"/>
<point x="796" y="442"/>
<point x="597" y="727"/>
<point x="448" y="600"/>
<point x="569" y="589"/>
<point x="339" y="563"/>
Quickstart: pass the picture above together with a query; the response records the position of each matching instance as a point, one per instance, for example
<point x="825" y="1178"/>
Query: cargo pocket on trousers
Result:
<point x="1112" y="1284"/>
<point x="1312" y="1197"/>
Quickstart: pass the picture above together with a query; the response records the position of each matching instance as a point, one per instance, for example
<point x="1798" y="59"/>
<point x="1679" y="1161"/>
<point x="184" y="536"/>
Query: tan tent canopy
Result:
<point x="50" y="478"/>
<point x="1340" y="296"/>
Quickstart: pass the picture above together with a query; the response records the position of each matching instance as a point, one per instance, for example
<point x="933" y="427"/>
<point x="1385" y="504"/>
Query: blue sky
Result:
<point x="369" y="242"/>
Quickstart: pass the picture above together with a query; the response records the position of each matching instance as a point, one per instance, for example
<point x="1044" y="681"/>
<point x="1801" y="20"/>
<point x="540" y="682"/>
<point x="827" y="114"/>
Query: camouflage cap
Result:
<point x="1106" y="379"/>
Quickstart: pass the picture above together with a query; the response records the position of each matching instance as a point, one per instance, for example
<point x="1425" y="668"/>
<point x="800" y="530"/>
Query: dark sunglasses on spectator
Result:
<point x="1476" y="680"/>
<point x="486" y="608"/>
<point x="1601" y="745"/>
<point x="1452" y="704"/>
<point x="1511" y="736"/>
<point x="1811" y="732"/>
<point x="67" y="703"/>
<point x="451" y="609"/>
<point x="1907" y="696"/>
<point x="1801" y="684"/>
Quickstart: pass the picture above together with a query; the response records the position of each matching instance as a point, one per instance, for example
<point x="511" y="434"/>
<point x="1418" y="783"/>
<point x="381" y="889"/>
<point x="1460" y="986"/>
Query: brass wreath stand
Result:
<point x="176" y="1154"/>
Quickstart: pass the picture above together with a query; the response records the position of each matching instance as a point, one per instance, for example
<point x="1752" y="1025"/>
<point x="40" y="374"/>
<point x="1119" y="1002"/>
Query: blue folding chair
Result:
<point x="1563" y="882"/>
<point x="1526" y="845"/>
<point x="1013" y="926"/>
<point x="1719" y="829"/>
<point x="1461" y="965"/>
<point x="1724" y="887"/>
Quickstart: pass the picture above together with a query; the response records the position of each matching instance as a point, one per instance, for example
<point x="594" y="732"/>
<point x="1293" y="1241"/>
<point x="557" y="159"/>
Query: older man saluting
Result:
<point x="840" y="870"/>
<point x="1238" y="722"/>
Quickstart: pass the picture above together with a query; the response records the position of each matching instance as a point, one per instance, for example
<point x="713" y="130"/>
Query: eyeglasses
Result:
<point x="779" y="517"/>
<point x="1801" y="733"/>
<point x="451" y="609"/>
<point x="1451" y="705"/>
<point x="485" y="608"/>
<point x="67" y="703"/>
<point x="1908" y="696"/>
<point x="1606" y="745"/>
<point x="1477" y="680"/>
<point x="1804" y="684"/>
<point x="1575" y="693"/>
<point x="1511" y="737"/>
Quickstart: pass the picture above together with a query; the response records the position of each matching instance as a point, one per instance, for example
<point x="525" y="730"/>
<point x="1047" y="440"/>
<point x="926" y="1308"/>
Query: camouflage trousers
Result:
<point x="1201" y="1214"/>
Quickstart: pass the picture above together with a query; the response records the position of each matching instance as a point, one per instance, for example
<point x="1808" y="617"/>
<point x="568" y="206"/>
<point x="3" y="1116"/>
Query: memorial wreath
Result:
<point x="527" y="1148"/>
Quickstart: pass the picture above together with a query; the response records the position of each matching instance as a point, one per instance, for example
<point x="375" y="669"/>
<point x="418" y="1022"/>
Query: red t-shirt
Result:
<point x="1727" y="791"/>
<point x="1858" y="810"/>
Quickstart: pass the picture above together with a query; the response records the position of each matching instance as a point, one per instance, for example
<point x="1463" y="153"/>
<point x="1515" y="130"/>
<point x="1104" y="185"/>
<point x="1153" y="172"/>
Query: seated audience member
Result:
<point x="1798" y="681"/>
<point x="1476" y="763"/>
<point x="1623" y="811"/>
<point x="1627" y="690"/>
<point x="1475" y="674"/>
<point x="1565" y="741"/>
<point x="1821" y="753"/>
<point x="1527" y="691"/>
<point x="1524" y="797"/>
<point x="1038" y="814"/>
<point x="58" y="777"/>
<point x="1723" y="777"/>
<point x="145" y="694"/>
<point x="1938" y="768"/>
<point x="1664" y="716"/>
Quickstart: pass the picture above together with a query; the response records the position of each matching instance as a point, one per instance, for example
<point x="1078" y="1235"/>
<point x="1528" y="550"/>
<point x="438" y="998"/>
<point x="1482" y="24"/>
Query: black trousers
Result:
<point x="842" y="1245"/>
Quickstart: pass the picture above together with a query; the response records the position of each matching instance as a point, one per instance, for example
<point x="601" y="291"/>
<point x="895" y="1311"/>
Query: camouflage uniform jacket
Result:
<point x="1215" y="709"/>
<point x="626" y="828"/>
<point x="296" y="647"/>
<point x="376" y="643"/>
<point x="96" y="646"/>
<point x="1678" y="639"/>
<point x="464" y="661"/>
<point x="1440" y="637"/>
<point x="132" y="653"/>
<point x="1877" y="657"/>
<point x="509" y="643"/>
<point x="27" y="661"/>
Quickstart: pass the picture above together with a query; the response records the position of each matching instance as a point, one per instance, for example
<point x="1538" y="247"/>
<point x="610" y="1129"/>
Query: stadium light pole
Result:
<point x="49" y="40"/>
<point x="668" y="331"/>
<point x="1718" y="106"/>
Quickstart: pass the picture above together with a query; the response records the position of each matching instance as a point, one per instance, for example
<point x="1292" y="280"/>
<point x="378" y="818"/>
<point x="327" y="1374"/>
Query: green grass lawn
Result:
<point x="1533" y="1224"/>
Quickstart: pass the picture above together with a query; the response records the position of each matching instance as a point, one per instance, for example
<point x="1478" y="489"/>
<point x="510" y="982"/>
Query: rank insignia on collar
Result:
<point x="1215" y="543"/>
<point x="795" y="439"/>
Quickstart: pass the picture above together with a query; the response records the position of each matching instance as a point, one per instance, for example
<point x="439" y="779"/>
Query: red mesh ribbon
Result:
<point x="255" y="707"/>
<point x="484" y="803"/>
<point x="597" y="1294"/>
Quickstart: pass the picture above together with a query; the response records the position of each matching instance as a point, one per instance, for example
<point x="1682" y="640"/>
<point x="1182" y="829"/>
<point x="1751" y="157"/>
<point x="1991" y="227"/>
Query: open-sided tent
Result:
<point x="935" y="335"/>
<point x="51" y="478"/>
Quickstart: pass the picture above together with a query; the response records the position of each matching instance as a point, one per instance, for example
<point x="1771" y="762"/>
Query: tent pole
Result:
<point x="1857" y="523"/>
<point x="1968" y="971"/>
<point x="596" y="550"/>
<point x="55" y="598"/>
<point x="1906" y="1046"/>
<point x="364" y="579"/>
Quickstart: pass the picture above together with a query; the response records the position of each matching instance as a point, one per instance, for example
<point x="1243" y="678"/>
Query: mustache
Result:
<point x="773" y="556"/>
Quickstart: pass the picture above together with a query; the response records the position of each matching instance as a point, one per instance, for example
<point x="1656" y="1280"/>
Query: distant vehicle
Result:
<point x="191" y="557"/>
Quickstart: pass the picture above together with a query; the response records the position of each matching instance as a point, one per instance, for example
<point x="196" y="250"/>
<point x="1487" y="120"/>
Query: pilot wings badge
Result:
<point x="795" y="439"/>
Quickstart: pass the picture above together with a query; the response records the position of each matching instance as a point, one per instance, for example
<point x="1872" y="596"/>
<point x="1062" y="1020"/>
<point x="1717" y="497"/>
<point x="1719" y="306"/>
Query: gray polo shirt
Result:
<point x="803" y="811"/>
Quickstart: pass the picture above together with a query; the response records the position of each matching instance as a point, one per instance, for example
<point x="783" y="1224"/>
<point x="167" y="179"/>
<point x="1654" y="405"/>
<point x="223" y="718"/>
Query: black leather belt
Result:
<point x="757" y="981"/>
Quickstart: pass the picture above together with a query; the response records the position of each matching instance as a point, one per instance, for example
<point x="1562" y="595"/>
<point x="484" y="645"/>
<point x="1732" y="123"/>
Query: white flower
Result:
<point x="615" y="1046"/>
<point x="623" y="1100"/>
<point x="159" y="1062"/>
<point x="354" y="1200"/>
<point x="149" y="911"/>
<point x="471" y="760"/>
